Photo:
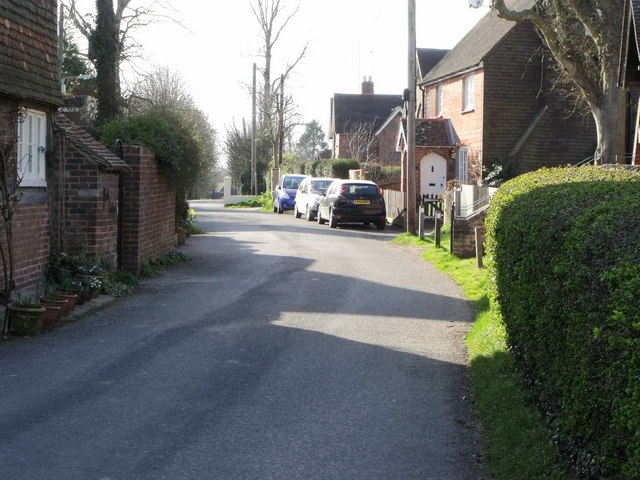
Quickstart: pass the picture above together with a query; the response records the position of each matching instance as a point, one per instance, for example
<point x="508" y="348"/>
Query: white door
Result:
<point x="433" y="175"/>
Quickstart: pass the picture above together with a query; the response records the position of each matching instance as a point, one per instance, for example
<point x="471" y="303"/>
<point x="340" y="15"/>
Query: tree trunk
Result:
<point x="610" y="119"/>
<point x="104" y="49"/>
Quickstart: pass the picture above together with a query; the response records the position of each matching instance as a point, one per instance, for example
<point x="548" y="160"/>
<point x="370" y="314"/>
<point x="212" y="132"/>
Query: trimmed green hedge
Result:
<point x="564" y="258"/>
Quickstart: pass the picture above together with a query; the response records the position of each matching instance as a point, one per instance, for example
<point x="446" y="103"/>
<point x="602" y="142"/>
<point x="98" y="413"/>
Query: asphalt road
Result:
<point x="284" y="350"/>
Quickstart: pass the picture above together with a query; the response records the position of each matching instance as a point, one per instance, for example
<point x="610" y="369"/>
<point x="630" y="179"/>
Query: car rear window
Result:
<point x="356" y="190"/>
<point x="320" y="186"/>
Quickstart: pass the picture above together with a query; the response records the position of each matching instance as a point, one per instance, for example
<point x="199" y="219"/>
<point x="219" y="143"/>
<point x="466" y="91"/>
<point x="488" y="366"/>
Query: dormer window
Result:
<point x="468" y="94"/>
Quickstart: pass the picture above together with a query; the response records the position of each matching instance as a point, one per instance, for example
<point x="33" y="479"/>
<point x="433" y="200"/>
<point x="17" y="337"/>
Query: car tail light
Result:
<point x="379" y="190"/>
<point x="340" y="201"/>
<point x="343" y="189"/>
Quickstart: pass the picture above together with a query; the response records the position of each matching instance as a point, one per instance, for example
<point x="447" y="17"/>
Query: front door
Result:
<point x="433" y="175"/>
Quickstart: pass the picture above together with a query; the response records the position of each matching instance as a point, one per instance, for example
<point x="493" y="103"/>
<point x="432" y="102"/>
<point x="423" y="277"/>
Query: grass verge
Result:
<point x="265" y="201"/>
<point x="517" y="440"/>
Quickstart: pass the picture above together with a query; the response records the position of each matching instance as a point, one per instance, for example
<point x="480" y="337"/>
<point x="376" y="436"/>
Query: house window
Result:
<point x="32" y="144"/>
<point x="467" y="94"/>
<point x="439" y="101"/>
<point x="463" y="165"/>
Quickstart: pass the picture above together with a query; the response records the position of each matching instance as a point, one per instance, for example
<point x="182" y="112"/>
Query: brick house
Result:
<point x="29" y="84"/>
<point x="355" y="120"/>
<point x="75" y="193"/>
<point x="495" y="87"/>
<point x="629" y="76"/>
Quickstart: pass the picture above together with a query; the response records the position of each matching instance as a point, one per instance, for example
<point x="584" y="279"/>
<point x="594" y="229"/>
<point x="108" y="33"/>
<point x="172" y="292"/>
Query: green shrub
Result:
<point x="178" y="149"/>
<point x="563" y="255"/>
<point x="340" y="167"/>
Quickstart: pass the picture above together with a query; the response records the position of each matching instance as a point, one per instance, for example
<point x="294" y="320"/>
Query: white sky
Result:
<point x="347" y="39"/>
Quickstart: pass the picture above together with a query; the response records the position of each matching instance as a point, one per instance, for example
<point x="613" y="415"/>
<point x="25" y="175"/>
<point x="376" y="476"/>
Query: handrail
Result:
<point x="475" y="207"/>
<point x="584" y="161"/>
<point x="600" y="160"/>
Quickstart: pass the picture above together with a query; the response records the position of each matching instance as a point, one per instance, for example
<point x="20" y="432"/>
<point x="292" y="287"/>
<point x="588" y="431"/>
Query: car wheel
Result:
<point x="296" y="212"/>
<point x="309" y="215"/>
<point x="319" y="218"/>
<point x="381" y="224"/>
<point x="333" y="221"/>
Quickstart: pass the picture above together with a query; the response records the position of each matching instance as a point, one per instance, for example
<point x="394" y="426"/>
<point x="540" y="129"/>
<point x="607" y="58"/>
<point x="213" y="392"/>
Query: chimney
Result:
<point x="367" y="86"/>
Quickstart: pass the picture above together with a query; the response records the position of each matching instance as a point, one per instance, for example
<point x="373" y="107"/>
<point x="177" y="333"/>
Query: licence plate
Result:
<point x="362" y="202"/>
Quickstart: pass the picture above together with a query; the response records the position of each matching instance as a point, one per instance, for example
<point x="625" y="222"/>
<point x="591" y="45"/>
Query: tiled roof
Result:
<point x="354" y="109"/>
<point x="432" y="132"/>
<point x="28" y="51"/>
<point x="429" y="58"/>
<point x="476" y="44"/>
<point x="93" y="150"/>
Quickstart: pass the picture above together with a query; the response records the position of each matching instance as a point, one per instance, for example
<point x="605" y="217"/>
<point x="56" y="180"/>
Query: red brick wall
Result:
<point x="464" y="236"/>
<point x="87" y="220"/>
<point x="149" y="226"/>
<point x="387" y="154"/>
<point x="519" y="85"/>
<point x="467" y="125"/>
<point x="31" y="245"/>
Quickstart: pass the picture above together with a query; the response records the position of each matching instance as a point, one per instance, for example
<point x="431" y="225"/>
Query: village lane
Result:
<point x="283" y="350"/>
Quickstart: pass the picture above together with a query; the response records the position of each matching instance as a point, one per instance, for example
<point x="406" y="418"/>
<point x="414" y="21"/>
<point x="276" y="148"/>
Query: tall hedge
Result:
<point x="564" y="256"/>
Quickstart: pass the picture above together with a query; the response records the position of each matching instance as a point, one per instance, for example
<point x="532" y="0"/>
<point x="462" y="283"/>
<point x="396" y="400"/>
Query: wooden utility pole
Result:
<point x="411" y="123"/>
<point x="281" y="123"/>
<point x="254" y="173"/>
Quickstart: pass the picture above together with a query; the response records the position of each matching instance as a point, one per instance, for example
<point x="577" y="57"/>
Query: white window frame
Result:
<point x="32" y="145"/>
<point x="468" y="93"/>
<point x="463" y="165"/>
<point x="439" y="93"/>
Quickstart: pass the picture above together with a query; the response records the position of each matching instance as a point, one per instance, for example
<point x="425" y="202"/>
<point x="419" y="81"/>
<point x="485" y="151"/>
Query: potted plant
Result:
<point x="51" y="315"/>
<point x="24" y="317"/>
<point x="70" y="289"/>
<point x="51" y="298"/>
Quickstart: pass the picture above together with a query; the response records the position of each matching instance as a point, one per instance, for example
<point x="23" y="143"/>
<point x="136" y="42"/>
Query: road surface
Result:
<point x="283" y="350"/>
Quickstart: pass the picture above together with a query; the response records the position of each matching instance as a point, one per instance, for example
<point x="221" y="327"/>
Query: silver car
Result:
<point x="310" y="191"/>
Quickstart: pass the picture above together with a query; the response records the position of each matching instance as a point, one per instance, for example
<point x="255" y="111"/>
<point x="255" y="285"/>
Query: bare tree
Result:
<point x="268" y="14"/>
<point x="584" y="36"/>
<point x="164" y="90"/>
<point x="128" y="19"/>
<point x="362" y="142"/>
<point x="10" y="195"/>
<point x="277" y="110"/>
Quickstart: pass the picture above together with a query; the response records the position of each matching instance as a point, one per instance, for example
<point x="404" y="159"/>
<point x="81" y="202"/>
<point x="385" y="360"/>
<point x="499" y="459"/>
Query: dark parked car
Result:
<point x="284" y="195"/>
<point x="353" y="201"/>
